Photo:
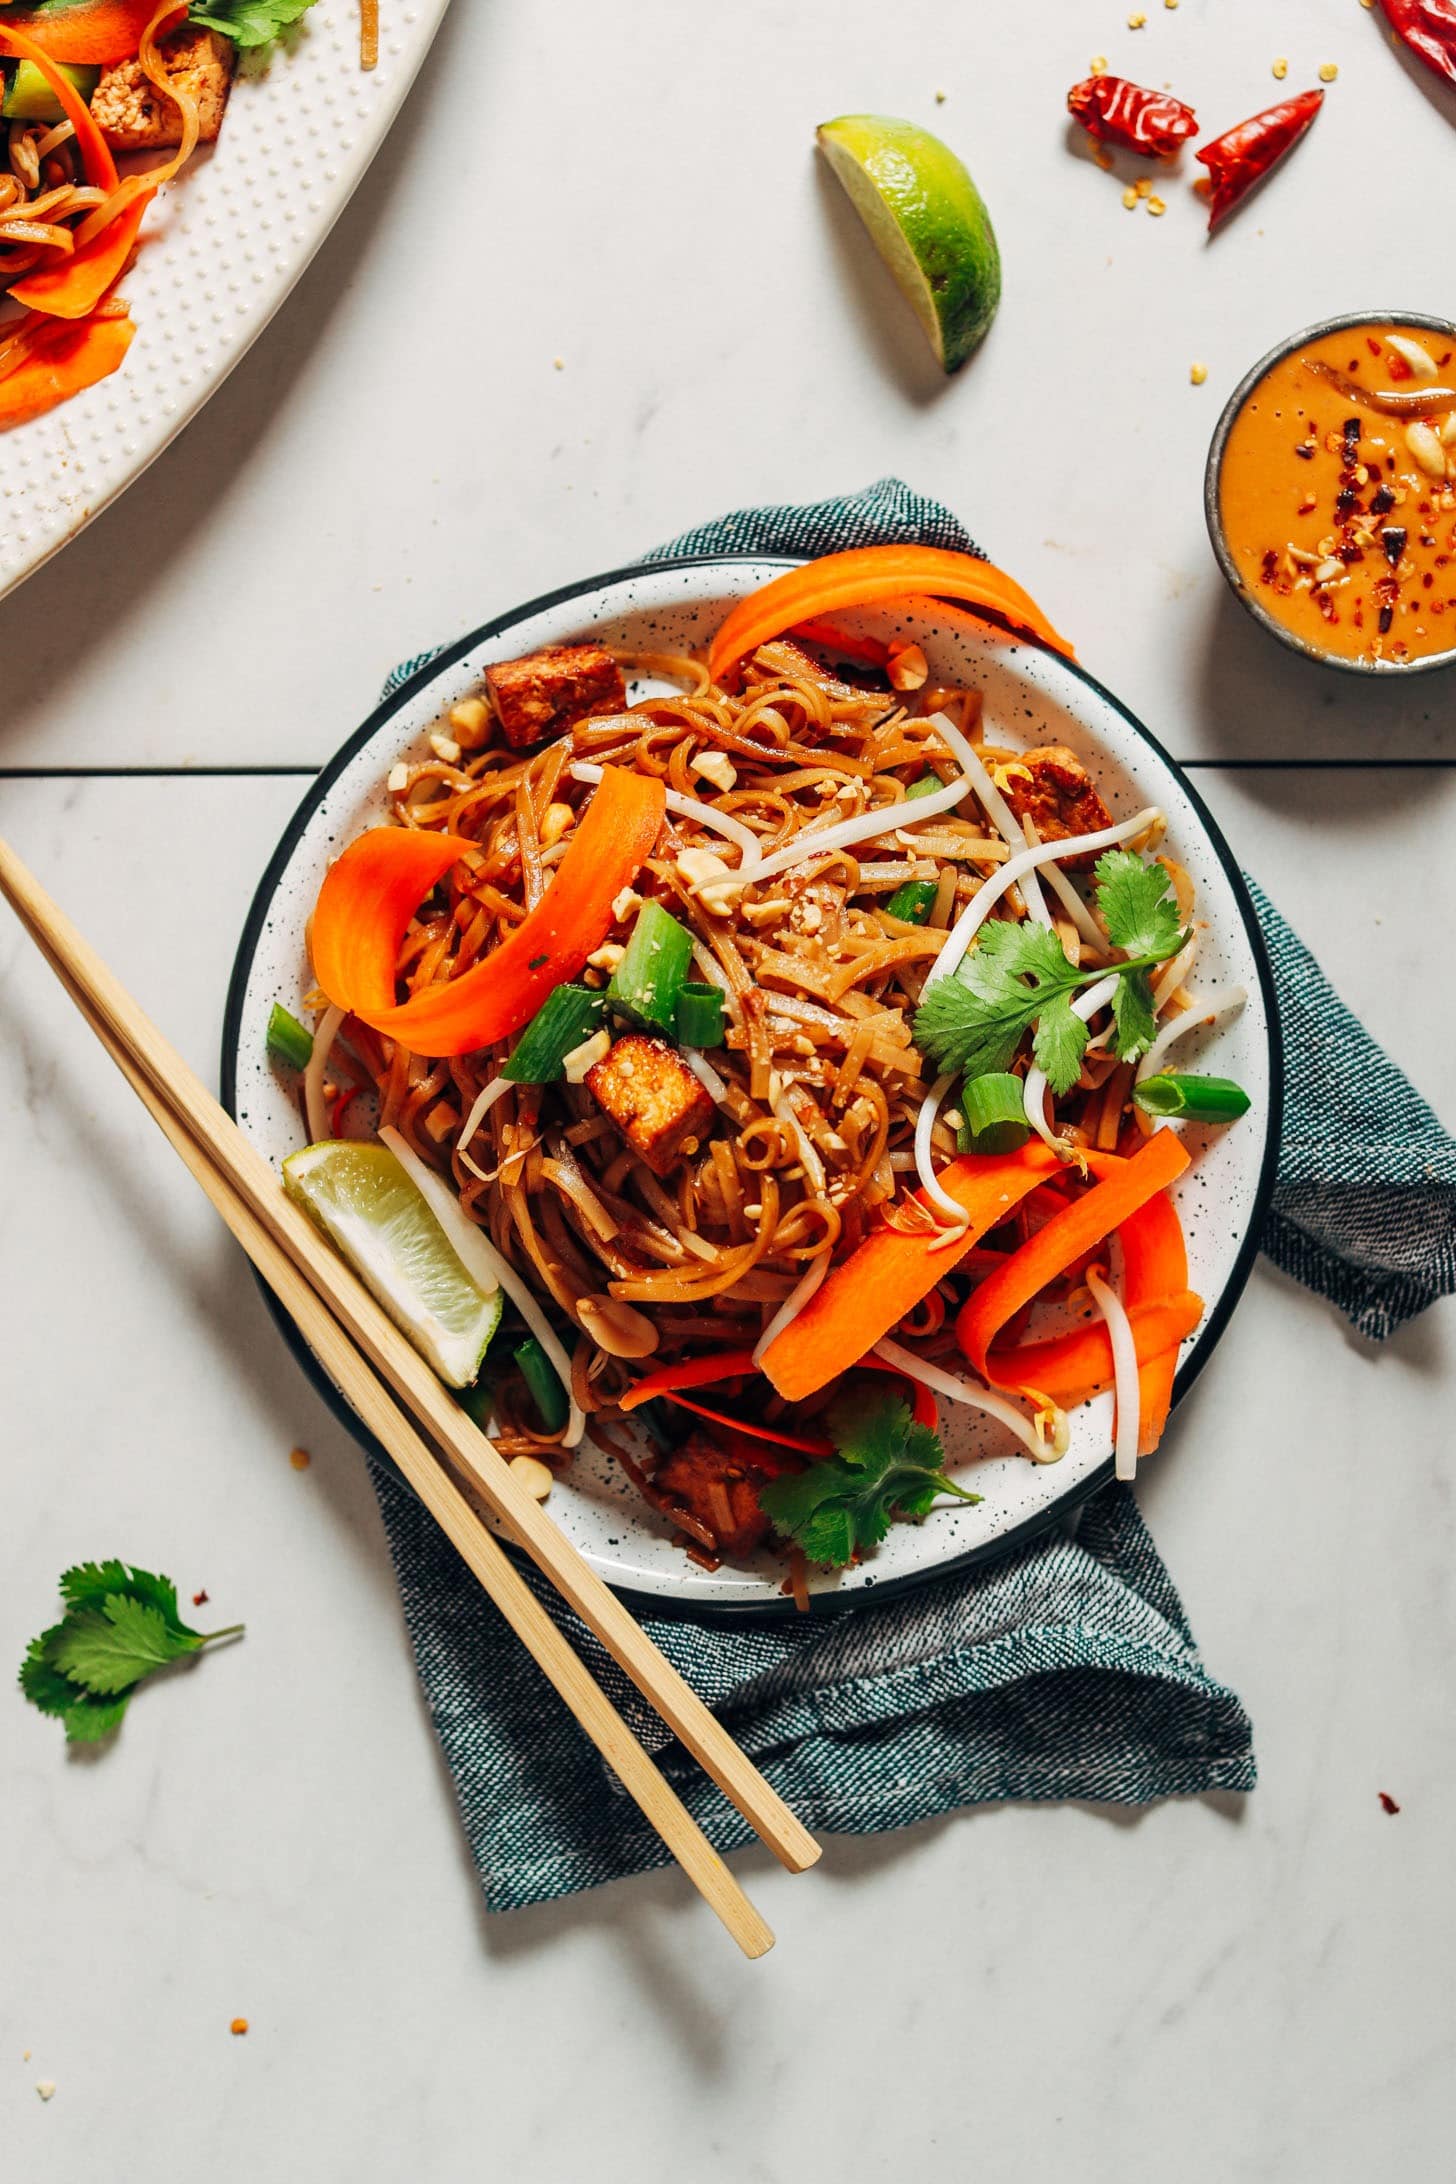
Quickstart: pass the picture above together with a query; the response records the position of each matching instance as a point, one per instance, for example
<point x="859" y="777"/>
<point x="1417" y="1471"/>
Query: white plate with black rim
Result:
<point x="1030" y="697"/>
<point x="221" y="249"/>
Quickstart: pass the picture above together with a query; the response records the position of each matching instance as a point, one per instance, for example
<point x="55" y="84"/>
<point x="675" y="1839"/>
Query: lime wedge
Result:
<point x="927" y="221"/>
<point x="364" y="1202"/>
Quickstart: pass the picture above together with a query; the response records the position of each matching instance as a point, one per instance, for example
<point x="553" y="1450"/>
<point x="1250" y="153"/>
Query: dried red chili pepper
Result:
<point x="1237" y="159"/>
<point x="1119" y="112"/>
<point x="1428" y="28"/>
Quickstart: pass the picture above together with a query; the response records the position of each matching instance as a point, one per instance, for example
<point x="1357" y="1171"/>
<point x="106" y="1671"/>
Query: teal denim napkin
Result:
<point x="1066" y="1668"/>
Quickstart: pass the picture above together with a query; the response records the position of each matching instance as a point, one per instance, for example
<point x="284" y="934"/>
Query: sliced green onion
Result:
<point x="995" y="1111"/>
<point x="565" y="1018"/>
<point x="925" y="786"/>
<point x="1196" y="1099"/>
<point x="287" y="1038"/>
<point x="477" y="1401"/>
<point x="912" y="901"/>
<point x="651" y="974"/>
<point x="698" y="1018"/>
<point x="541" y="1379"/>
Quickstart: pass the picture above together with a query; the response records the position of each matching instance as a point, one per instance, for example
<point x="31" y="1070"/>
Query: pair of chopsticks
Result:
<point x="383" y="1376"/>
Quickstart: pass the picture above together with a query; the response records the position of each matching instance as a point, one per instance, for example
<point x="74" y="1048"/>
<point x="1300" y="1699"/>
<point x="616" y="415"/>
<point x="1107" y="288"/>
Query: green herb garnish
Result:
<point x="120" y="1625"/>
<point x="1017" y="979"/>
<point x="248" y="22"/>
<point x="885" y="1466"/>
<point x="1196" y="1099"/>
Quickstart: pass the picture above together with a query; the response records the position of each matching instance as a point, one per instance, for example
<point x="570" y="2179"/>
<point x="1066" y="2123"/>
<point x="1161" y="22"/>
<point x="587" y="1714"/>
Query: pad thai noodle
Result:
<point x="784" y="1037"/>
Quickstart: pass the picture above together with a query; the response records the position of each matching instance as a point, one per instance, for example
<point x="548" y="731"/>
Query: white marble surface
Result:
<point x="1205" y="1992"/>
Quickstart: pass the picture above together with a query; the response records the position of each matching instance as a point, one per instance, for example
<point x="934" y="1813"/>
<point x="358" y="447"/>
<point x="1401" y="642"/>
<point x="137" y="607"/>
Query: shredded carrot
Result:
<point x="1051" y="1250"/>
<point x="96" y="159"/>
<point x="373" y="890"/>
<point x="1154" y="1266"/>
<point x="864" y="576"/>
<point x="89" y="33"/>
<point x="1069" y="1369"/>
<point x="871" y="1291"/>
<point x="73" y="289"/>
<point x="76" y="358"/>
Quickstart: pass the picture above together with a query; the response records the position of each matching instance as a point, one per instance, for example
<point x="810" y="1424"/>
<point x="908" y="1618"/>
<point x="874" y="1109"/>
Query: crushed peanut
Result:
<point x="625" y="903"/>
<point x="470" y="721"/>
<point x="717" y="767"/>
<point x="1156" y="207"/>
<point x="238" y="2026"/>
<point x="445" y="748"/>
<point x="1136" y="22"/>
<point x="1098" y="64"/>
<point x="45" y="2087"/>
<point x="1328" y="72"/>
<point x="1130" y="199"/>
<point x="558" y="819"/>
<point x="533" y="1475"/>
<point x="607" y="957"/>
<point x="1142" y="185"/>
<point x="586" y="1056"/>
<point x="1280" y="69"/>
<point x="1198" y="373"/>
<point x="398" y="780"/>
<point x="908" y="668"/>
<point x="300" y="1460"/>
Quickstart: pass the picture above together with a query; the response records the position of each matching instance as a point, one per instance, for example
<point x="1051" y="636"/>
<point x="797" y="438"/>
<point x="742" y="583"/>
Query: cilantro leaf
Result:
<point x="120" y="1625"/>
<point x="1138" y="905"/>
<point x="974" y="1022"/>
<point x="43" y="1682"/>
<point x="885" y="1466"/>
<point x="248" y="22"/>
<point x="110" y="1648"/>
<point x="88" y="1584"/>
<point x="1132" y="1013"/>
<point x="1058" y="1044"/>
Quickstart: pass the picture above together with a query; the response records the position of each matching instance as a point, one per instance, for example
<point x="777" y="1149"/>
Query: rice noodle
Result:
<point x="1125" y="1372"/>
<point x="316" y="1068"/>
<point x="989" y="893"/>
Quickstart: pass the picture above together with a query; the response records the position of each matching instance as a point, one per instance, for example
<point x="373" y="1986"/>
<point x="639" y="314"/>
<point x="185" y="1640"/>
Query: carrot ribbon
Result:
<point x="73" y="288"/>
<point x="96" y="159"/>
<point x="867" y="1295"/>
<point x="866" y="576"/>
<point x="1083" y="1223"/>
<point x="74" y="359"/>
<point x="92" y="33"/>
<point x="374" y="889"/>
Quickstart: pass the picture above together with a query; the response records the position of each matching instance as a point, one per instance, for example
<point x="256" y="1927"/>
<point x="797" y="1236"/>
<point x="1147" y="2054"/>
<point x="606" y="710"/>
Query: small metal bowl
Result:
<point x="1213" y="513"/>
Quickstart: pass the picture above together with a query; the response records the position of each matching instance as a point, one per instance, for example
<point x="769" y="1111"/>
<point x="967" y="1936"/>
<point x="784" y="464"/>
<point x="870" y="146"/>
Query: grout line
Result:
<point x="308" y="773"/>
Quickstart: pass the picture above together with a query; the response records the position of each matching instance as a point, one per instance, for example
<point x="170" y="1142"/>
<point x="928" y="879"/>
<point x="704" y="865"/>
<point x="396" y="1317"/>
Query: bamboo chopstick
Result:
<point x="228" y="1153"/>
<point x="466" y="1531"/>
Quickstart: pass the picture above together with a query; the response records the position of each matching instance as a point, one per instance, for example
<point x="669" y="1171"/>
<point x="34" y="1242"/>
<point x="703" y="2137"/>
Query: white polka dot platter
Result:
<point x="1030" y="697"/>
<point x="221" y="248"/>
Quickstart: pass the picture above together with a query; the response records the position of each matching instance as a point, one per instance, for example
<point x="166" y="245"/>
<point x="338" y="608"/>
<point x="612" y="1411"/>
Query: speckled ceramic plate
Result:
<point x="1030" y="697"/>
<point x="222" y="247"/>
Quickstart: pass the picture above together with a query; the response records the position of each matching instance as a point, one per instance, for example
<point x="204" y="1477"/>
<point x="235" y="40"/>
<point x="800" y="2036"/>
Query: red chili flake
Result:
<point x="1118" y="112"/>
<point x="199" y="1600"/>
<point x="1387" y="1802"/>
<point x="341" y="1108"/>
<point x="1244" y="154"/>
<point x="1399" y="369"/>
<point x="1372" y="345"/>
<point x="1428" y="28"/>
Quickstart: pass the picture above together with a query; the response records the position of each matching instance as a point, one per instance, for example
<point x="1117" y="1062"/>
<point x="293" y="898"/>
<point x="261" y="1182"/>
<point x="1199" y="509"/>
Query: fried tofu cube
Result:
<point x="644" y="1087"/>
<point x="720" y="1490"/>
<point x="132" y="114"/>
<point x="548" y="692"/>
<point x="1058" y="798"/>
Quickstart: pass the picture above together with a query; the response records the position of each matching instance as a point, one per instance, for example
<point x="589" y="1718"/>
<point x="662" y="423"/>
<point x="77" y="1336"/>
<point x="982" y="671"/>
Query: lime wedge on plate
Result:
<point x="364" y="1202"/>
<point x="927" y="221"/>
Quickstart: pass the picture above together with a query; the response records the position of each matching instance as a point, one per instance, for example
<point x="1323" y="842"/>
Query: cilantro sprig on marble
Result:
<point x="1017" y="979"/>
<point x="248" y="22"/>
<point x="885" y="1466"/>
<point x="120" y="1626"/>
